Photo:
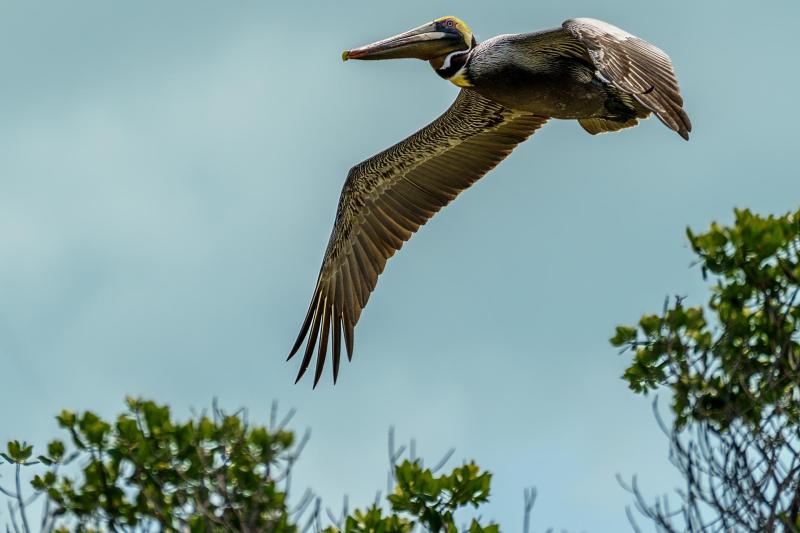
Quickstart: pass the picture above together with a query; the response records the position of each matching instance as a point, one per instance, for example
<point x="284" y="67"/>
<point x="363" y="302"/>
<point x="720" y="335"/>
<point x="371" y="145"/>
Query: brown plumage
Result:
<point x="635" y="67"/>
<point x="586" y="70"/>
<point x="388" y="197"/>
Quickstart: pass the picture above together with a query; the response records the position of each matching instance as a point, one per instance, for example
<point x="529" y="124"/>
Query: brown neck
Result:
<point x="437" y="62"/>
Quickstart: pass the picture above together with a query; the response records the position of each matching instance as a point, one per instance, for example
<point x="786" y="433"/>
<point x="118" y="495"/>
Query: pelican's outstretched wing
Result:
<point x="634" y="66"/>
<point x="388" y="197"/>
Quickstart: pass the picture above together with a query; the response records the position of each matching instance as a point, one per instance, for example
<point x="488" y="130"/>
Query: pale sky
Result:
<point x="170" y="173"/>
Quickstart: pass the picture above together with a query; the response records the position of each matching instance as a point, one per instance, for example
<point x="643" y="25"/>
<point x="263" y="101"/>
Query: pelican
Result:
<point x="586" y="70"/>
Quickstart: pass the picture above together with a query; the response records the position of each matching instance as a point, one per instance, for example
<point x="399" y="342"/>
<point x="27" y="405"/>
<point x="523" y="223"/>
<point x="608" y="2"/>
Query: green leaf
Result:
<point x="66" y="419"/>
<point x="55" y="449"/>
<point x="17" y="452"/>
<point x="623" y="335"/>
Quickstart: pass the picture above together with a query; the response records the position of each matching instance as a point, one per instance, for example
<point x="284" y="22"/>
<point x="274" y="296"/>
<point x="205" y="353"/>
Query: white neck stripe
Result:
<point x="451" y="55"/>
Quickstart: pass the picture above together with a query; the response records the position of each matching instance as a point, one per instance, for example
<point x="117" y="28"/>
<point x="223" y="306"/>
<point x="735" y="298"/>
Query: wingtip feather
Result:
<point x="348" y="339"/>
<point x="312" y="341"/>
<point x="323" y="343"/>
<point x="337" y="345"/>
<point x="306" y="324"/>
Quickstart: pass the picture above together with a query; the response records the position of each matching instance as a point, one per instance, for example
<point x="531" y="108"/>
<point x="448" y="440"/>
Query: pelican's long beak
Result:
<point x="425" y="42"/>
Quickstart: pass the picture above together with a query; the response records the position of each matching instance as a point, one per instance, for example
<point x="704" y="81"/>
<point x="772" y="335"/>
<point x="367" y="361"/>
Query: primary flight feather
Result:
<point x="586" y="70"/>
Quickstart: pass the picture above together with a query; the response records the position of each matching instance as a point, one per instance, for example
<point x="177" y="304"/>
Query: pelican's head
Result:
<point x="431" y="42"/>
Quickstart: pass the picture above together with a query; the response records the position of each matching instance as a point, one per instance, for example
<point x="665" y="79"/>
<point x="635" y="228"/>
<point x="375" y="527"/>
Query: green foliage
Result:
<point x="145" y="471"/>
<point x="17" y="453"/>
<point x="735" y="357"/>
<point x="435" y="499"/>
<point x="208" y="474"/>
<point x="431" y="500"/>
<point x="373" y="520"/>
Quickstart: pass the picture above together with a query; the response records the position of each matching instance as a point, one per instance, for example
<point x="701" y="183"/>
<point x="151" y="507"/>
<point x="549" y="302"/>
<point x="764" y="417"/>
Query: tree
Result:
<point x="731" y="367"/>
<point x="147" y="471"/>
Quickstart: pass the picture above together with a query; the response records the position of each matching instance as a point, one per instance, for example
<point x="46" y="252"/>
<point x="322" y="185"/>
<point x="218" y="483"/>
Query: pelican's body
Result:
<point x="586" y="70"/>
<point x="527" y="73"/>
<point x="504" y="70"/>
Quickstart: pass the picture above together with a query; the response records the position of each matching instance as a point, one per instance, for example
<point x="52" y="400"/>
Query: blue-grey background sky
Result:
<point x="169" y="174"/>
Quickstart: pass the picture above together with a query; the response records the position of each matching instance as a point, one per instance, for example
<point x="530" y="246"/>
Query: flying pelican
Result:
<point x="586" y="70"/>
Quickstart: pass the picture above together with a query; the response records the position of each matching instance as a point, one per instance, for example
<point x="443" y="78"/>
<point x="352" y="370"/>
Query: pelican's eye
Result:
<point x="449" y="23"/>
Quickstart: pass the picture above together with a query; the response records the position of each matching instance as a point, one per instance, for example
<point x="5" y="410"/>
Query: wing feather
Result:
<point x="387" y="198"/>
<point x="636" y="67"/>
<point x="323" y="343"/>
